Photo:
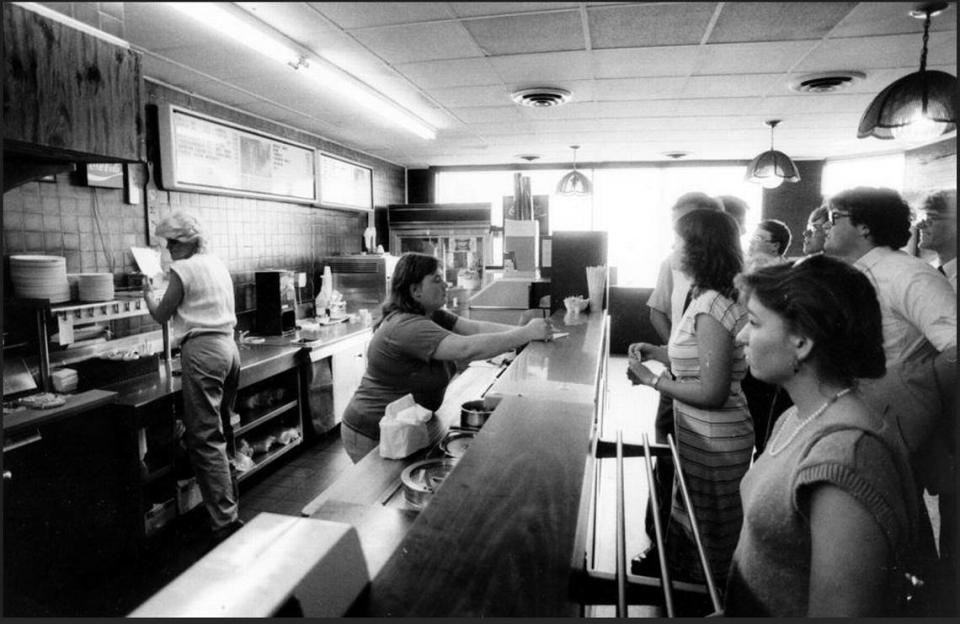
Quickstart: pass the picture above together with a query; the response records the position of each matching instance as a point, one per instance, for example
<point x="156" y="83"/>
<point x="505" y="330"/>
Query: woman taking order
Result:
<point x="415" y="347"/>
<point x="199" y="299"/>
<point x="713" y="427"/>
<point x="829" y="507"/>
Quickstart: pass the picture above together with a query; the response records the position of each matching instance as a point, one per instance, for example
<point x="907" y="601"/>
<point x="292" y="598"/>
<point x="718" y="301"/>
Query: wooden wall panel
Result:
<point x="68" y="91"/>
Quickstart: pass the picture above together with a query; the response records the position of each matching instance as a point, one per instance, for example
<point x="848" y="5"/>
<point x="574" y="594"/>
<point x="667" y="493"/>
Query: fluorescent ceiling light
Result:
<point x="214" y="16"/>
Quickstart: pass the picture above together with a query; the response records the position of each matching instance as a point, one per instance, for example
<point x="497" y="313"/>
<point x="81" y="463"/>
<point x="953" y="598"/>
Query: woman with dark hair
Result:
<point x="713" y="427"/>
<point x="829" y="507"/>
<point x="415" y="347"/>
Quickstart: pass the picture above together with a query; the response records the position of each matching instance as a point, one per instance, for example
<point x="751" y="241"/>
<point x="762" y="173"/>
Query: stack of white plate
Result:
<point x="95" y="286"/>
<point x="40" y="277"/>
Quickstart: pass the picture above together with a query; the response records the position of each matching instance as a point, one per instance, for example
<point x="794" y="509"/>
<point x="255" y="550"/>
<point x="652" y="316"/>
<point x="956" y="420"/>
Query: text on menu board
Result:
<point x="204" y="154"/>
<point x="345" y="184"/>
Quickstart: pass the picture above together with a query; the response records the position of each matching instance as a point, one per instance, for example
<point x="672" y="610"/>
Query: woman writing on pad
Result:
<point x="415" y="347"/>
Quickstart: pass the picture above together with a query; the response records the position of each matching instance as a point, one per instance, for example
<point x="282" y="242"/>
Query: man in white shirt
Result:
<point x="867" y="227"/>
<point x="938" y="231"/>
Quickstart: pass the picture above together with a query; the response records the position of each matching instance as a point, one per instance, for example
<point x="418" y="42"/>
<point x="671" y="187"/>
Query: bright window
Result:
<point x="631" y="204"/>
<point x="878" y="171"/>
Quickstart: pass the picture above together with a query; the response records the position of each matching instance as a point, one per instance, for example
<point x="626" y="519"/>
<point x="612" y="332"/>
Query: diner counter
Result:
<point x="501" y="536"/>
<point x="257" y="361"/>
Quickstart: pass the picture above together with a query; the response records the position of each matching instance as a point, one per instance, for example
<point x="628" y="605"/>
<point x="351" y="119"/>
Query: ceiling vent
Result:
<point x="539" y="97"/>
<point x="825" y="82"/>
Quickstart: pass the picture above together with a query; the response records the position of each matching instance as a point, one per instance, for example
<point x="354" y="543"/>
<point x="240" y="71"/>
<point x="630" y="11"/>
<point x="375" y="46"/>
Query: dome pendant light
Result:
<point x="574" y="183"/>
<point x="920" y="105"/>
<point x="771" y="168"/>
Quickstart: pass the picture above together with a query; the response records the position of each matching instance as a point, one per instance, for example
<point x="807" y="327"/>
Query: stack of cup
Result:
<point x="596" y="282"/>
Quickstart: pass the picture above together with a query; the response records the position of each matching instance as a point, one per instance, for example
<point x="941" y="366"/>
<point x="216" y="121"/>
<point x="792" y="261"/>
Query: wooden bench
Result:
<point x="260" y="567"/>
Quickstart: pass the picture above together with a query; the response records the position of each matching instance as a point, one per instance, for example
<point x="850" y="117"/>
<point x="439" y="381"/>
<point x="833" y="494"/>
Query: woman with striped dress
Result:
<point x="714" y="431"/>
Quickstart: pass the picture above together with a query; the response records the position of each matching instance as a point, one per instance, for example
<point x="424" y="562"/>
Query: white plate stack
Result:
<point x="95" y="286"/>
<point x="40" y="277"/>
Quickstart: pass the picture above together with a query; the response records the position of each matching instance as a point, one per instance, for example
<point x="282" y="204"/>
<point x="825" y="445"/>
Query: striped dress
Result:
<point x="715" y="447"/>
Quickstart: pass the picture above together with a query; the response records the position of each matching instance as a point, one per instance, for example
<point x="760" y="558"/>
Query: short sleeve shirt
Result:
<point x="400" y="362"/>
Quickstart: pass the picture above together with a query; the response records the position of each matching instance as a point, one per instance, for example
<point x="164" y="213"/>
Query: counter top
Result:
<point x="499" y="537"/>
<point x="257" y="361"/>
<point x="20" y="420"/>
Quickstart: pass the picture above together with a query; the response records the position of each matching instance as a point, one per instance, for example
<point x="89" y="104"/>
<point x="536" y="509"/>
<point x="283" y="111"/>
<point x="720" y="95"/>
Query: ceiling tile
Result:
<point x="773" y="21"/>
<point x="809" y="103"/>
<point x="451" y="73"/>
<point x="420" y="42"/>
<point x="649" y="24"/>
<point x="880" y="52"/>
<point x="891" y="18"/>
<point x="487" y="114"/>
<point x="495" y="95"/>
<point x="725" y="58"/>
<point x="352" y="15"/>
<point x="660" y="61"/>
<point x="742" y="84"/>
<point x="475" y="9"/>
<point x="648" y="88"/>
<point x="518" y="34"/>
<point x="545" y="68"/>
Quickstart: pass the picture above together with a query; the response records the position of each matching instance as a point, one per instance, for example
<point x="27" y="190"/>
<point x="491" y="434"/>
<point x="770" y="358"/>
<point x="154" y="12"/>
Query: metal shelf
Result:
<point x="68" y="315"/>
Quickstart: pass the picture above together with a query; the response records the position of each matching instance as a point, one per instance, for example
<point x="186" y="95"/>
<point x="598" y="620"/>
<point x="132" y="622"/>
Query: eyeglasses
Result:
<point x="836" y="214"/>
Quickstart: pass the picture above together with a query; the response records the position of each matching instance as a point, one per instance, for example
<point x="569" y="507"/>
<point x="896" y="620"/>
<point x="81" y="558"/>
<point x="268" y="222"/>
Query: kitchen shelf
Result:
<point x="69" y="315"/>
<point x="269" y="457"/>
<point x="259" y="420"/>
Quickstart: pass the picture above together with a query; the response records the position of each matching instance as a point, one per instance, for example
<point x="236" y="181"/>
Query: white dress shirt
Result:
<point x="916" y="302"/>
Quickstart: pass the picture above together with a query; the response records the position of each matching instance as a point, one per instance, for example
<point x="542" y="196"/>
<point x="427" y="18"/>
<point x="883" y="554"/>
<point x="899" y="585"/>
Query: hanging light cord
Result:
<point x="923" y="64"/>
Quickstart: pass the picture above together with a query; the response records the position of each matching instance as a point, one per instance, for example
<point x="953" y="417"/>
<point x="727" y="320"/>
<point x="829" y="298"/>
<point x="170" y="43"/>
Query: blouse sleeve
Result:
<point x="727" y="312"/>
<point x="863" y="466"/>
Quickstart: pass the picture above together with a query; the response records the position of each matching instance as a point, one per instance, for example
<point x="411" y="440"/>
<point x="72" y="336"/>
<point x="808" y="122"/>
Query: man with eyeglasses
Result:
<point x="867" y="227"/>
<point x="938" y="231"/>
<point x="815" y="234"/>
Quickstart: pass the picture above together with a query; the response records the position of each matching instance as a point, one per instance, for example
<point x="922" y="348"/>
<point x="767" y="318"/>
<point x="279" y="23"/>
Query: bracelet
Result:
<point x="656" y="381"/>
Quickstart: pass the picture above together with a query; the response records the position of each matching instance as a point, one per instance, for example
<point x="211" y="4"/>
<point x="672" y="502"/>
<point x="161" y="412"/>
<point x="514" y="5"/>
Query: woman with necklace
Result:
<point x="829" y="507"/>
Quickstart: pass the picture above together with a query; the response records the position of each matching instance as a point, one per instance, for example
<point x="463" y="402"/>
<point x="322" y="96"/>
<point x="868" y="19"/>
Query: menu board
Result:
<point x="344" y="184"/>
<point x="204" y="154"/>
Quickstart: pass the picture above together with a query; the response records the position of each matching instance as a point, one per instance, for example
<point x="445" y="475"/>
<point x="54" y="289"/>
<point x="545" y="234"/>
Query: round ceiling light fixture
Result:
<point x="825" y="82"/>
<point x="541" y="97"/>
<point x="529" y="157"/>
<point x="677" y="155"/>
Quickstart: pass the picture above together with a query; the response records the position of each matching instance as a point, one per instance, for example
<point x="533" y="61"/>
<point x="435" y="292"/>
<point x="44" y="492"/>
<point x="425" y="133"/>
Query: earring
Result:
<point x="796" y="365"/>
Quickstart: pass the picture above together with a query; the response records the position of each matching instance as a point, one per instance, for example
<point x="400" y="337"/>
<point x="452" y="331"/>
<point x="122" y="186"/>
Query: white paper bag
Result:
<point x="406" y="428"/>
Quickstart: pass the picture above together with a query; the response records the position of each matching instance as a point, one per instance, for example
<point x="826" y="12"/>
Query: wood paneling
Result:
<point x="930" y="168"/>
<point x="793" y="202"/>
<point x="69" y="92"/>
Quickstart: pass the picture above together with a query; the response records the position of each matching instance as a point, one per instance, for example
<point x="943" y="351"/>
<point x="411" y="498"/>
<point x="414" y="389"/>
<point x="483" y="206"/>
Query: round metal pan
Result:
<point x="421" y="479"/>
<point x="455" y="443"/>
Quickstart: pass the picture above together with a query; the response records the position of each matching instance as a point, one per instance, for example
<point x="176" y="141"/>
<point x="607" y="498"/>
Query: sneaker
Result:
<point x="646" y="563"/>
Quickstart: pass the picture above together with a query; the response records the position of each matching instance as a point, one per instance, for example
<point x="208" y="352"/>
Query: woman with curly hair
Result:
<point x="714" y="431"/>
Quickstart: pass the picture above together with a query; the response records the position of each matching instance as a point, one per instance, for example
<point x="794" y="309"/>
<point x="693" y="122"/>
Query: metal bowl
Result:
<point x="421" y="479"/>
<point x="455" y="443"/>
<point x="473" y="414"/>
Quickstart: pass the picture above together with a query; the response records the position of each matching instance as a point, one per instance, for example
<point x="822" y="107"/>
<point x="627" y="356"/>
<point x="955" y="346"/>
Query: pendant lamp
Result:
<point x="920" y="105"/>
<point x="771" y="168"/>
<point x="574" y="183"/>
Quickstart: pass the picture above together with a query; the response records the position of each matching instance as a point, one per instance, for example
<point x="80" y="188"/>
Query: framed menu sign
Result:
<point x="204" y="154"/>
<point x="345" y="184"/>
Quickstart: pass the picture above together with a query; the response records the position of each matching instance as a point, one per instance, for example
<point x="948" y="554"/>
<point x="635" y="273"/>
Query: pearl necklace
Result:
<point x="803" y="423"/>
